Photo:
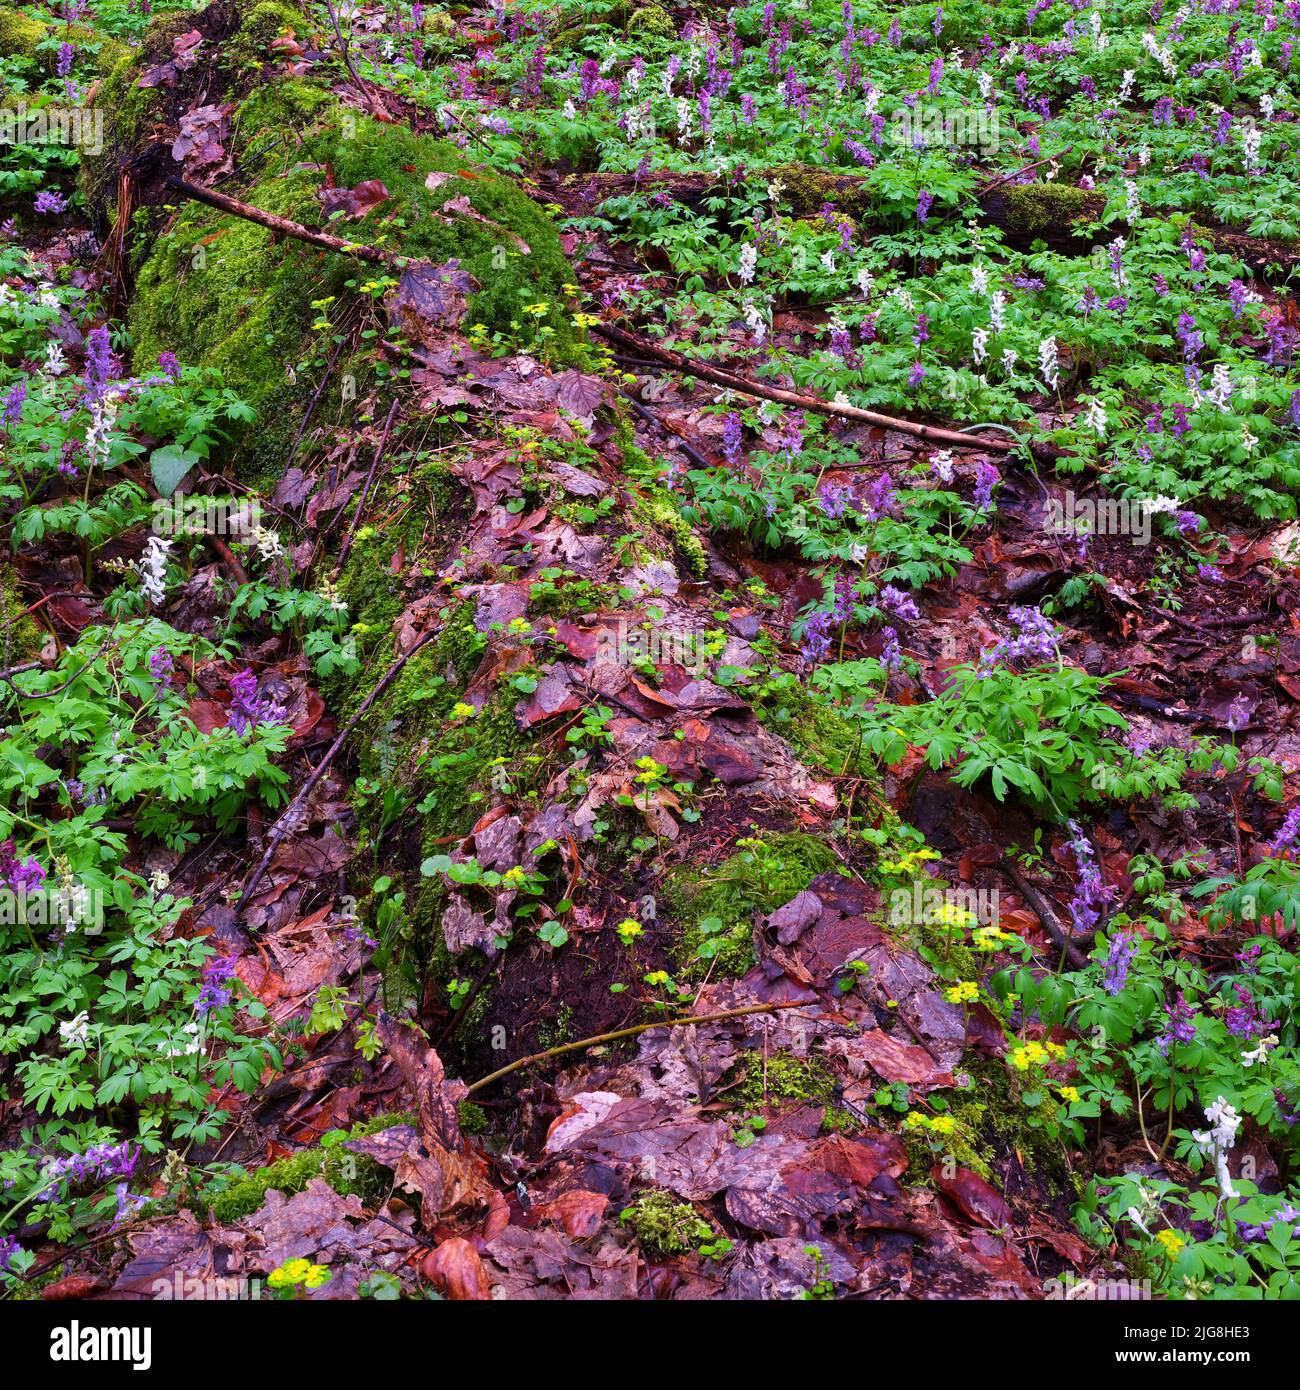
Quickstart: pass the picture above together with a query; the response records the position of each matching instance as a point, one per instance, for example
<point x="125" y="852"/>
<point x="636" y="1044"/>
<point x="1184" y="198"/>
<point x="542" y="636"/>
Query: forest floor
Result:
<point x="649" y="652"/>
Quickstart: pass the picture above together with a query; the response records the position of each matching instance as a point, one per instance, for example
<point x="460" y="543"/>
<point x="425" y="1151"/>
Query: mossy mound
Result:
<point x="19" y="33"/>
<point x="1036" y="208"/>
<point x="664" y="1226"/>
<point x="262" y="25"/>
<point x="780" y="1079"/>
<point x="345" y="1171"/>
<point x="651" y="21"/>
<point x="718" y="908"/>
<point x="221" y="292"/>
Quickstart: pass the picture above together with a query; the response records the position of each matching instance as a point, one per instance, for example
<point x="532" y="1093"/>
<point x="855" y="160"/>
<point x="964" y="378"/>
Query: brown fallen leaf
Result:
<point x="454" y="1269"/>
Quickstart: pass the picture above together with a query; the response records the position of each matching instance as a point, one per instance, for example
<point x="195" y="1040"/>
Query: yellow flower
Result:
<point x="1171" y="1241"/>
<point x="963" y="992"/>
<point x="1027" y="1055"/>
<point x="658" y="977"/>
<point x="628" y="930"/>
<point x="514" y="878"/>
<point x="950" y="915"/>
<point x="915" y="1120"/>
<point x="1069" y="1093"/>
<point x="316" y="1276"/>
<point x="460" y="710"/>
<point x="943" y="1124"/>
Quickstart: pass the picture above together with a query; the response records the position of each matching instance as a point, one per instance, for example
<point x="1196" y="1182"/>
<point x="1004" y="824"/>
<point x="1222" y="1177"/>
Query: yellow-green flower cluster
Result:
<point x="294" y="1272"/>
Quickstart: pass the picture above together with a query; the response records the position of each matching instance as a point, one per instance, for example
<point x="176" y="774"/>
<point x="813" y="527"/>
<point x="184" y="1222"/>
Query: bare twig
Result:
<point x="627" y="1033"/>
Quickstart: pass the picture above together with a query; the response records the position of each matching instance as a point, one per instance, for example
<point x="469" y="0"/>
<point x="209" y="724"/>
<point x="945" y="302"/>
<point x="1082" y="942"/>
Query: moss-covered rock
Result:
<point x="265" y="22"/>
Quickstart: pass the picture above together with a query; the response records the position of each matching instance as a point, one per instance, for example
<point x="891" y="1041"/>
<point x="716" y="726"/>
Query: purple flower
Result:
<point x="1237" y="297"/>
<point x="986" y="479"/>
<point x="13" y="406"/>
<point x="1187" y="522"/>
<point x="63" y="64"/>
<point x="170" y="365"/>
<point x="161" y="668"/>
<point x="22" y="876"/>
<point x="921" y="332"/>
<point x="1123" y="947"/>
<point x="900" y="604"/>
<point x="1181" y="1023"/>
<point x="891" y="654"/>
<point x="49" y="202"/>
<point x="816" y="640"/>
<point x="1035" y="638"/>
<point x="1243" y="1019"/>
<point x="247" y="708"/>
<point x="881" y="498"/>
<point x="216" y="990"/>
<point x="731" y="435"/>
<point x="1092" y="894"/>
<point x="1192" y="341"/>
<point x="833" y="499"/>
<point x="99" y="1163"/>
<point x="924" y="201"/>
<point x="1286" y="837"/>
<point x="916" y="376"/>
<point x="99" y="362"/>
<point x="1212" y="574"/>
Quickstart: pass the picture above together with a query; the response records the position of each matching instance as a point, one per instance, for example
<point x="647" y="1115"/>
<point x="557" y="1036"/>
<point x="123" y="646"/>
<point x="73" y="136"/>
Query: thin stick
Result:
<point x="627" y="1033"/>
<point x="365" y="491"/>
<point x="933" y="434"/>
<point x="281" y="827"/>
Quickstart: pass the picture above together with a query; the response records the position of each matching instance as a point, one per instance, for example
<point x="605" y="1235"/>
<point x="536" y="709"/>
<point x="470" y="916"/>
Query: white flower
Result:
<point x="1250" y="139"/>
<point x="1118" y="278"/>
<point x="685" y="119"/>
<point x="748" y="261"/>
<point x="941" y="462"/>
<point x="189" y="1043"/>
<point x="631" y="82"/>
<point x="775" y="189"/>
<point x="1095" y="417"/>
<point x="75" y="1031"/>
<point x="153" y="569"/>
<point x="1126" y="87"/>
<point x="570" y="110"/>
<point x="828" y="261"/>
<point x="979" y="279"/>
<point x="904" y="297"/>
<point x="985" y="81"/>
<point x="1132" y="203"/>
<point x="1260" y="1053"/>
<point x="1248" y="440"/>
<point x="1215" y="1142"/>
<point x="980" y="344"/>
<point x="159" y="880"/>
<point x="268" y="545"/>
<point x="865" y="281"/>
<point x="1220" y="392"/>
<point x="997" y="305"/>
<point x="1144" y="156"/>
<point x="55" y="362"/>
<point x="1266" y="106"/>
<point x="1048" y="364"/>
<point x="755" y="321"/>
<point x="1009" y="359"/>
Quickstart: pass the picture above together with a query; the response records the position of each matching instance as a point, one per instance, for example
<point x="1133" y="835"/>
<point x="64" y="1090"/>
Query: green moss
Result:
<point x="779" y="1079"/>
<point x="1034" y="208"/>
<point x="345" y="1171"/>
<point x="21" y="637"/>
<point x="807" y="189"/>
<point x="221" y="293"/>
<point x="753" y="882"/>
<point x="651" y="21"/>
<point x="264" y="23"/>
<point x="664" y="1226"/>
<point x="19" y="33"/>
<point x="473" y="1118"/>
<point x="819" y="734"/>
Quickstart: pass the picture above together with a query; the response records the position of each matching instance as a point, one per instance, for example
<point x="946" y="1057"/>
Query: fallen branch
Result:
<point x="932" y="434"/>
<point x="627" y="1033"/>
<point x="272" y="222"/>
<point x="1052" y="924"/>
<point x="286" y="821"/>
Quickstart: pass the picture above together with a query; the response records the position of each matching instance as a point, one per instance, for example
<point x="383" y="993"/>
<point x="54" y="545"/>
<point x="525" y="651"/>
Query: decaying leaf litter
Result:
<point x="432" y="899"/>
